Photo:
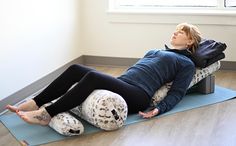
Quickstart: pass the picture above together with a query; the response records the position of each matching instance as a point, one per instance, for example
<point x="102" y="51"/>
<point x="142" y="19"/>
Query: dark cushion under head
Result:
<point x="208" y="52"/>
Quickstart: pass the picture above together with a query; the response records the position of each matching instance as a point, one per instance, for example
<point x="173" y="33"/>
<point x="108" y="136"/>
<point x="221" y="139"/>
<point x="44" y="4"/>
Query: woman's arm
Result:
<point x="176" y="92"/>
<point x="178" y="89"/>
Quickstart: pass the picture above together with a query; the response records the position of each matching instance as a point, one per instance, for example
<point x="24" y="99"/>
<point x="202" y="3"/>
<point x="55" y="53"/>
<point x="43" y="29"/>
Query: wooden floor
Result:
<point x="213" y="125"/>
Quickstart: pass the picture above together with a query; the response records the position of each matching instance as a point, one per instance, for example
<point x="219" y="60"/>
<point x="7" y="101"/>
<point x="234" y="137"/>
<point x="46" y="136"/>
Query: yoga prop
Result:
<point x="36" y="135"/>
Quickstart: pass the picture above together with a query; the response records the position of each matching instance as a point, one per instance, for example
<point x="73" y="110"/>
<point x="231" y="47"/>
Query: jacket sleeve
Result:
<point x="178" y="88"/>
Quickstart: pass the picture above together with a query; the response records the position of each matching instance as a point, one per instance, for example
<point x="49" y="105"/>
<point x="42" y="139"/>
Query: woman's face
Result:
<point x="180" y="40"/>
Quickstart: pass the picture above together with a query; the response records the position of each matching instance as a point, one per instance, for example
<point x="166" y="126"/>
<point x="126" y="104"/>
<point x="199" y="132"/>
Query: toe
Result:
<point x="11" y="108"/>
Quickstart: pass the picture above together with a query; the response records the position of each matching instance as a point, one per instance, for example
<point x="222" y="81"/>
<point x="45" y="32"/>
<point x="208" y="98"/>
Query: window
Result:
<point x="142" y="4"/>
<point x="166" y="3"/>
<point x="210" y="12"/>
<point x="230" y="3"/>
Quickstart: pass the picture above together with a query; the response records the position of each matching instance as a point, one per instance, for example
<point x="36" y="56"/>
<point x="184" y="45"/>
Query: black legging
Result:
<point x="87" y="81"/>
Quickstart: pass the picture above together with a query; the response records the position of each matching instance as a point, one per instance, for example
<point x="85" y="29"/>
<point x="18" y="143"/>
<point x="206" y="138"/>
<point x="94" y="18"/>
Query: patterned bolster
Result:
<point x="102" y="108"/>
<point x="66" y="124"/>
<point x="198" y="76"/>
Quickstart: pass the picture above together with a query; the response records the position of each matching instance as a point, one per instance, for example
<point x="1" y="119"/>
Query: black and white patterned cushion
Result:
<point x="66" y="124"/>
<point x="104" y="109"/>
<point x="198" y="76"/>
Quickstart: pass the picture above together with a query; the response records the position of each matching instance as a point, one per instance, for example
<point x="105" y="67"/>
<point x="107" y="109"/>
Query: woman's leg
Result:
<point x="56" y="89"/>
<point x="135" y="97"/>
<point x="62" y="84"/>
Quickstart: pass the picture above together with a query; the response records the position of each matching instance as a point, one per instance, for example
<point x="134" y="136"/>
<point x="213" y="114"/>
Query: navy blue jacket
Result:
<point x="158" y="67"/>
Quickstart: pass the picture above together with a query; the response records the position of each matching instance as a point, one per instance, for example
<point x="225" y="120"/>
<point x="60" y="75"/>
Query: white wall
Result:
<point x="36" y="38"/>
<point x="39" y="36"/>
<point x="131" y="35"/>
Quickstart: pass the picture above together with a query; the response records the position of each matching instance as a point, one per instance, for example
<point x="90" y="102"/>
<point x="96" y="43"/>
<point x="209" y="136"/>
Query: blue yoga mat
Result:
<point x="36" y="135"/>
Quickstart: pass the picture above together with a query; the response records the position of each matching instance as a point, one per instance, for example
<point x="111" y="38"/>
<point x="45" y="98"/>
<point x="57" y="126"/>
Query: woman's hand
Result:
<point x="149" y="114"/>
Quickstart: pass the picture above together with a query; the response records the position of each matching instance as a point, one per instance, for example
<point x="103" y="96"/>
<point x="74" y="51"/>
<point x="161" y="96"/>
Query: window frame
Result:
<point x="211" y="16"/>
<point x="219" y="10"/>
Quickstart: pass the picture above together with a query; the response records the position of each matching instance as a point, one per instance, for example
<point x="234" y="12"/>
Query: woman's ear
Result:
<point x="190" y="42"/>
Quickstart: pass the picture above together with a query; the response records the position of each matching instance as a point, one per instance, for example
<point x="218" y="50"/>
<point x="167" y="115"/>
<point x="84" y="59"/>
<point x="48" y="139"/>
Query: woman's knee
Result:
<point x="80" y="68"/>
<point x="92" y="75"/>
<point x="74" y="67"/>
<point x="99" y="80"/>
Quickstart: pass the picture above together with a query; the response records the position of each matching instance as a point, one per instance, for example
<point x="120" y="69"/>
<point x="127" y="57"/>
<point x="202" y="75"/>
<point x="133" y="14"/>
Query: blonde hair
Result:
<point x="193" y="33"/>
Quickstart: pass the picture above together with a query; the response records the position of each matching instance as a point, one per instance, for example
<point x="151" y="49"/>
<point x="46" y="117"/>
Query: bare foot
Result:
<point x="40" y="117"/>
<point x="28" y="105"/>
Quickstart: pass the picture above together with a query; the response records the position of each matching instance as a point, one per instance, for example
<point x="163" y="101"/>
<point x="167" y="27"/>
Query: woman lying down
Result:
<point x="137" y="85"/>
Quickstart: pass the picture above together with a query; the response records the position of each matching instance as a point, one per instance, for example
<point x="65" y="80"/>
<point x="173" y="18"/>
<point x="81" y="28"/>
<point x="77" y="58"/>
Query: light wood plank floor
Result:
<point x="207" y="126"/>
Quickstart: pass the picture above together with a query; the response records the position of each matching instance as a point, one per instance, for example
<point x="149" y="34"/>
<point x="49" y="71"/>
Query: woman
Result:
<point x="137" y="85"/>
